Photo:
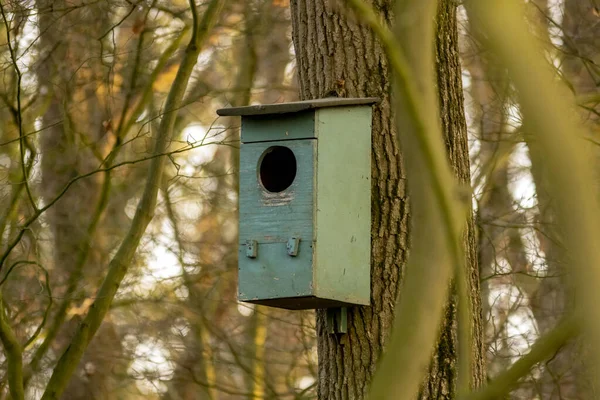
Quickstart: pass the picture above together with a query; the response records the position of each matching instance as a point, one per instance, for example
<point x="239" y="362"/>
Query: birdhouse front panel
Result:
<point x="276" y="220"/>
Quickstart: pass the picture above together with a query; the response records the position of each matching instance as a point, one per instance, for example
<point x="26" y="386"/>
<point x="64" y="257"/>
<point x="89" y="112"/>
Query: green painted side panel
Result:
<point x="273" y="218"/>
<point x="274" y="274"/>
<point x="343" y="209"/>
<point x="299" y="125"/>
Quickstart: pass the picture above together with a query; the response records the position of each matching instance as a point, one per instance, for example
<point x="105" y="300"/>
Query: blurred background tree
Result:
<point x="84" y="86"/>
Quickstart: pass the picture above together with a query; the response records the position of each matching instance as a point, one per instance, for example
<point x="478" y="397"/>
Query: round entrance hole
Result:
<point x="277" y="169"/>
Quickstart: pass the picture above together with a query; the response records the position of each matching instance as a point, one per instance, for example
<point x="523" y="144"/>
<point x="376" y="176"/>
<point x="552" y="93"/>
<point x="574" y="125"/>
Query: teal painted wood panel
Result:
<point x="274" y="274"/>
<point x="328" y="206"/>
<point x="343" y="204"/>
<point x="273" y="218"/>
<point x="278" y="127"/>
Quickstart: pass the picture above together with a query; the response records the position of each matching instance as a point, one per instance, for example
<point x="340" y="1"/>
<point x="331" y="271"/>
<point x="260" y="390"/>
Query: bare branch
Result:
<point x="19" y="115"/>
<point x="120" y="263"/>
<point x="14" y="355"/>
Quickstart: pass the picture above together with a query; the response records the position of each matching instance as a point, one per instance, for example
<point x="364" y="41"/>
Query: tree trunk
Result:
<point x="332" y="49"/>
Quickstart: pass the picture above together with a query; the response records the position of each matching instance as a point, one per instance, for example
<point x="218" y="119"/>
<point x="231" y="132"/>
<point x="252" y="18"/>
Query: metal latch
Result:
<point x="251" y="248"/>
<point x="337" y="320"/>
<point x="292" y="246"/>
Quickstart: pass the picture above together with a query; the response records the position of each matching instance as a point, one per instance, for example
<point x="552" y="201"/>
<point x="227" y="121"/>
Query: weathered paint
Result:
<point x="271" y="219"/>
<point x="278" y="127"/>
<point x="274" y="274"/>
<point x="343" y="204"/>
<point x="327" y="208"/>
<point x="275" y="217"/>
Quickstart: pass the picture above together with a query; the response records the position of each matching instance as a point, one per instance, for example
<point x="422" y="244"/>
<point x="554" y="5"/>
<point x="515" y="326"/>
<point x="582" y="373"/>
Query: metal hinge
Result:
<point x="251" y="248"/>
<point x="292" y="246"/>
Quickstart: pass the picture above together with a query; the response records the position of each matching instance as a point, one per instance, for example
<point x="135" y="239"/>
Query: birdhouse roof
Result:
<point x="296" y="106"/>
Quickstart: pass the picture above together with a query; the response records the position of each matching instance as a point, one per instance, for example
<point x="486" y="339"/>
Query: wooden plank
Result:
<point x="297" y="106"/>
<point x="343" y="204"/>
<point x="273" y="218"/>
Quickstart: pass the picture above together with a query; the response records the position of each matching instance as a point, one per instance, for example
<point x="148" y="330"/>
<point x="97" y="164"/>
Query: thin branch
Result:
<point x="19" y="115"/>
<point x="134" y="72"/>
<point x="127" y="14"/>
<point x="544" y="348"/>
<point x="126" y="122"/>
<point x="65" y="188"/>
<point x="46" y="286"/>
<point x="31" y="133"/>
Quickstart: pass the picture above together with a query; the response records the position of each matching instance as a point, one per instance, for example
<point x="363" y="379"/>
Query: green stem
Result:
<point x="543" y="349"/>
<point x="427" y="277"/>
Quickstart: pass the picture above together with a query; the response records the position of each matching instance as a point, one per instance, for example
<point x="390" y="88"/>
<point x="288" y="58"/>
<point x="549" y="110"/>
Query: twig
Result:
<point x="65" y="188"/>
<point x="48" y="290"/>
<point x="542" y="349"/>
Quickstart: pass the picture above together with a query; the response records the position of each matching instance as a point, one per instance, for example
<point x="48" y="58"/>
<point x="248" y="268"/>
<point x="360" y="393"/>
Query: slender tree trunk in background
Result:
<point x="489" y="117"/>
<point x="498" y="238"/>
<point x="449" y="82"/>
<point x="498" y="222"/>
<point x="333" y="48"/>
<point x="72" y="73"/>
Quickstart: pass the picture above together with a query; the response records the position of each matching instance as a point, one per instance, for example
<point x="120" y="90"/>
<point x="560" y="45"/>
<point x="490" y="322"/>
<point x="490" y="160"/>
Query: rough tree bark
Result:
<point x="333" y="49"/>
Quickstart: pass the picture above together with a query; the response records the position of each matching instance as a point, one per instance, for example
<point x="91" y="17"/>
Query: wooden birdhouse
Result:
<point x="305" y="203"/>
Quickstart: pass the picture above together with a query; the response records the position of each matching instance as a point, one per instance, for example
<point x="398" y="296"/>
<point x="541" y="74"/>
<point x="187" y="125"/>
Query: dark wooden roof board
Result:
<point x="296" y="106"/>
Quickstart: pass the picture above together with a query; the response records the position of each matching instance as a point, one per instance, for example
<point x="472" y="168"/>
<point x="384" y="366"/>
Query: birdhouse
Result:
<point x="305" y="203"/>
